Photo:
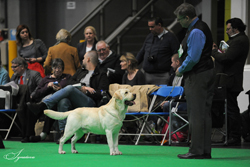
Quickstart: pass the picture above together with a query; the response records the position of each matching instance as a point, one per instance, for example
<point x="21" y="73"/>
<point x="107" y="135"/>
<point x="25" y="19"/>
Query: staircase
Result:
<point x="127" y="29"/>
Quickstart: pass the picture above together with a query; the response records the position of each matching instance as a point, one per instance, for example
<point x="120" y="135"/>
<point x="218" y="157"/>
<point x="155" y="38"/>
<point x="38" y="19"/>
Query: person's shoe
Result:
<point x="37" y="108"/>
<point x="190" y="156"/>
<point x="25" y="140"/>
<point x="233" y="142"/>
<point x="35" y="138"/>
<point x="207" y="156"/>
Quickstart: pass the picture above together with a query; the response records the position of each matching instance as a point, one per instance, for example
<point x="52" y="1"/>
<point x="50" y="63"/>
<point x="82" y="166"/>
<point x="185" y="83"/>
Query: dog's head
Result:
<point x="126" y="96"/>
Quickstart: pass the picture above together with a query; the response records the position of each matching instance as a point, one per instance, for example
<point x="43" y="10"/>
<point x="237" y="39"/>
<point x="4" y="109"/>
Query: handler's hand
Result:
<point x="177" y="73"/>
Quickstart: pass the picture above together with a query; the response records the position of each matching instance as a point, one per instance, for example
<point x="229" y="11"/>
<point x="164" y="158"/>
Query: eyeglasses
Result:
<point x="57" y="68"/>
<point x="151" y="26"/>
<point x="180" y="19"/>
<point x="15" y="66"/>
<point x="103" y="49"/>
<point x="24" y="32"/>
<point x="228" y="29"/>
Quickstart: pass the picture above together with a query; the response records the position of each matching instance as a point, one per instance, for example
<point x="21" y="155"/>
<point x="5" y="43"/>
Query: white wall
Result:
<point x="243" y="98"/>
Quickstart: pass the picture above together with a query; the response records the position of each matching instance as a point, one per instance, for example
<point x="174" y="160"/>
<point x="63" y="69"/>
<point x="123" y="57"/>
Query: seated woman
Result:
<point x="49" y="85"/>
<point x="133" y="76"/>
<point x="88" y="44"/>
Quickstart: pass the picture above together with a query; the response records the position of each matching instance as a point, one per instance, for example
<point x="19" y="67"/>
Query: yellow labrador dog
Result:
<point x="106" y="119"/>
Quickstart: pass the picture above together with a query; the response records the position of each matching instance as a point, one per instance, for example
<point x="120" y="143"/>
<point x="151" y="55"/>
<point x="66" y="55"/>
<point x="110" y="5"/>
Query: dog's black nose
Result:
<point x="134" y="95"/>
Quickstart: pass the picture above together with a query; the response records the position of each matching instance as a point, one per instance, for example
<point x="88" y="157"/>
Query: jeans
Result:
<point x="63" y="105"/>
<point x="77" y="98"/>
<point x="67" y="98"/>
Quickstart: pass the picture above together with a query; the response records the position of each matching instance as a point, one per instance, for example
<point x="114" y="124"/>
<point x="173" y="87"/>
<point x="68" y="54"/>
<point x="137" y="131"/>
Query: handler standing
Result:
<point x="197" y="70"/>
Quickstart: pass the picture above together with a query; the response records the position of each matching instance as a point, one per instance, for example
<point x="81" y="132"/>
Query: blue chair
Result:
<point x="168" y="92"/>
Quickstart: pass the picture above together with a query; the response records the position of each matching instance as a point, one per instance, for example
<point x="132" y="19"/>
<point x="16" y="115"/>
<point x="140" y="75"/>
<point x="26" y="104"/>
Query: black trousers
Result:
<point x="199" y="90"/>
<point x="233" y="115"/>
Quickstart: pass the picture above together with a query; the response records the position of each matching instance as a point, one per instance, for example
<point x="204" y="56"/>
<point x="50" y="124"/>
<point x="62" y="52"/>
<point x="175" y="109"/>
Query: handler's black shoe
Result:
<point x="207" y="156"/>
<point x="35" y="138"/>
<point x="190" y="156"/>
<point x="37" y="108"/>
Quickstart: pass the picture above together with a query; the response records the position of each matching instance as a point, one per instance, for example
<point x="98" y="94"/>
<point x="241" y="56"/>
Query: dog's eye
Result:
<point x="126" y="92"/>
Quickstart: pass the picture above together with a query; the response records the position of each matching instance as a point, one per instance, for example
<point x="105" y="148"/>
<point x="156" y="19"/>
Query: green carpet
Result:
<point x="46" y="155"/>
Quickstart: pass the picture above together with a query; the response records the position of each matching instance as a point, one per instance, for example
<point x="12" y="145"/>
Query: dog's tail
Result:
<point x="56" y="115"/>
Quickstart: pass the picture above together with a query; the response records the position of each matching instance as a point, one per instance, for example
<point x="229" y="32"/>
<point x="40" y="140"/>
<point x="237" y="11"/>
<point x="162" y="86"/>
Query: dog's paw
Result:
<point x="112" y="153"/>
<point x="74" y="151"/>
<point x="62" y="152"/>
<point x="118" y="153"/>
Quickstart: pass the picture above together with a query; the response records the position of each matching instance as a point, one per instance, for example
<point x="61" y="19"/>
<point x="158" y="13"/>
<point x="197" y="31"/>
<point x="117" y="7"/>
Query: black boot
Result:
<point x="35" y="138"/>
<point x="37" y="108"/>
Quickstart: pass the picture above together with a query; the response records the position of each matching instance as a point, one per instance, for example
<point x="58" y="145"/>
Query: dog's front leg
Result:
<point x="110" y="142"/>
<point x="115" y="139"/>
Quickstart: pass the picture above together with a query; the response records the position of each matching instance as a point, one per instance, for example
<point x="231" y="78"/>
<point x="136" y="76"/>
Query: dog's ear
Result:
<point x="117" y="95"/>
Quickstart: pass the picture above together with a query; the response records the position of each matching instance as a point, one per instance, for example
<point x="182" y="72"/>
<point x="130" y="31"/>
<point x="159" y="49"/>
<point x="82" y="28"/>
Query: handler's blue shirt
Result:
<point x="195" y="44"/>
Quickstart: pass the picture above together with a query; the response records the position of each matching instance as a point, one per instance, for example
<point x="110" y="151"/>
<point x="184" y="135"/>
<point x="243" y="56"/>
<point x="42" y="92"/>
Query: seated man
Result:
<point x="87" y="95"/>
<point x="175" y="81"/>
<point x="109" y="62"/>
<point x="27" y="81"/>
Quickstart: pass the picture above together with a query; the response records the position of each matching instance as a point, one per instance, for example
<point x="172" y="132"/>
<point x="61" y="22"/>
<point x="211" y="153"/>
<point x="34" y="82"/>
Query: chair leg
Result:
<point x="13" y="120"/>
<point x="1" y="142"/>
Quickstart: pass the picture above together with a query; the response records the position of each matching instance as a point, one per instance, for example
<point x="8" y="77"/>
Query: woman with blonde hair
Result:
<point x="65" y="52"/>
<point x="89" y="43"/>
<point x="133" y="76"/>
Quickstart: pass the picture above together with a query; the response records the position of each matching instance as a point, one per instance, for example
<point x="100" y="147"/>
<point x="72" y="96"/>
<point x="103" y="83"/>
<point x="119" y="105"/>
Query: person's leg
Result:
<point x="77" y="98"/>
<point x="199" y="93"/>
<point x="63" y="105"/>
<point x="233" y="114"/>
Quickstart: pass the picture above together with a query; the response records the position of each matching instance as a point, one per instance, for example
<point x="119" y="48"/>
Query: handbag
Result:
<point x="36" y="66"/>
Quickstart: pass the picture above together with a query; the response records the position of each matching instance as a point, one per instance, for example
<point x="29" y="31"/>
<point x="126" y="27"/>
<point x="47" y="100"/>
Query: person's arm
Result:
<point x="76" y="59"/>
<point x="103" y="84"/>
<point x="231" y="54"/>
<point x="43" y="50"/>
<point x="47" y="63"/>
<point x="195" y="42"/>
<point x="140" y="54"/>
<point x="141" y="78"/>
<point x="5" y="78"/>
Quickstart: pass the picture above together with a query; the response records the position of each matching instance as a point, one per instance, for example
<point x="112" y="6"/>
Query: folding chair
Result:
<point x="164" y="91"/>
<point x="5" y="111"/>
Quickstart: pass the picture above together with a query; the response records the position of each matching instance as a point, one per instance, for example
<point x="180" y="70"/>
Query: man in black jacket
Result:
<point x="233" y="61"/>
<point x="88" y="94"/>
<point x="156" y="52"/>
<point x="109" y="62"/>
